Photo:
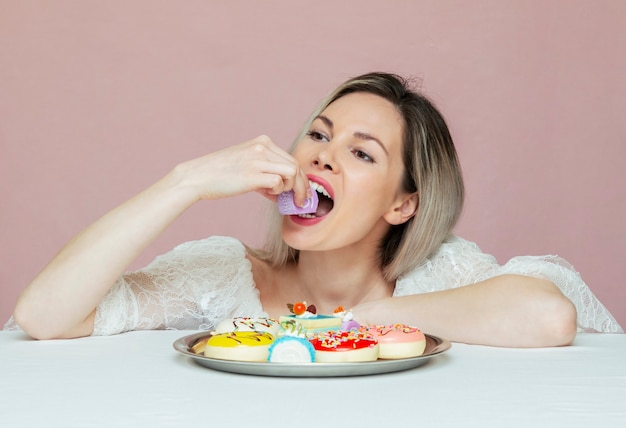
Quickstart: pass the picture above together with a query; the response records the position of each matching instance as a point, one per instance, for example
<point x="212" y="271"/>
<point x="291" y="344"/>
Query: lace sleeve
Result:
<point x="194" y="286"/>
<point x="459" y="262"/>
<point x="456" y="263"/>
<point x="10" y="325"/>
<point x="592" y="316"/>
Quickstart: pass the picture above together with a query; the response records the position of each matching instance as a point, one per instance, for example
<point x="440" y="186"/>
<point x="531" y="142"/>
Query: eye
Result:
<point x="317" y="136"/>
<point x="360" y="154"/>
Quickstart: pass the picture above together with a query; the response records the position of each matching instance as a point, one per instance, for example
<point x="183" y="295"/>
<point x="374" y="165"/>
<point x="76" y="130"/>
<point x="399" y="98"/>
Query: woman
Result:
<point x="380" y="242"/>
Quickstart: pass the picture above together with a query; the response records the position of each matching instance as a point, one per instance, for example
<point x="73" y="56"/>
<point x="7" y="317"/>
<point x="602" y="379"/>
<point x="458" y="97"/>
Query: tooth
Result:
<point x="319" y="188"/>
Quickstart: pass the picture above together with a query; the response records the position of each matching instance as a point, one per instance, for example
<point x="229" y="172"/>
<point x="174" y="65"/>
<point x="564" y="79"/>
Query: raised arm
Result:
<point x="61" y="300"/>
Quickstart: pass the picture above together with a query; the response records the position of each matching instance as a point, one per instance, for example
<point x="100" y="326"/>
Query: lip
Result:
<point x="322" y="183"/>
<point x="305" y="221"/>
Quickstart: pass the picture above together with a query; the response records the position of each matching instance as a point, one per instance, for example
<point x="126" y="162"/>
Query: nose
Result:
<point x="324" y="166"/>
<point x="325" y="160"/>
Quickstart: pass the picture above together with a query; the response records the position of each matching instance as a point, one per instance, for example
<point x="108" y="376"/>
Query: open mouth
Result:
<point x="325" y="204"/>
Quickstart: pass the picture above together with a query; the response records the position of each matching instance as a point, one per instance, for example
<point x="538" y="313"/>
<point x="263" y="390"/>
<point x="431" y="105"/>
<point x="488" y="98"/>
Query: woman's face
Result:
<point x="353" y="150"/>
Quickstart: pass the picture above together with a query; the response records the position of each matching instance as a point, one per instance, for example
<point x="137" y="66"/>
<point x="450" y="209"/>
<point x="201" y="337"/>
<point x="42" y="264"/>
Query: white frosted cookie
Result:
<point x="268" y="325"/>
<point x="291" y="349"/>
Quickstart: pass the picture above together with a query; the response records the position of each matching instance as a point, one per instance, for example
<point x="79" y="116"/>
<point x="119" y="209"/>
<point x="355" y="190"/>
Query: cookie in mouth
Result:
<point x="325" y="201"/>
<point x="318" y="205"/>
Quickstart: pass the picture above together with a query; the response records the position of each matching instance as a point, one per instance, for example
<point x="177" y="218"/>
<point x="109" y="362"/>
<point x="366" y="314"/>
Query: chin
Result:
<point x="299" y="243"/>
<point x="301" y="240"/>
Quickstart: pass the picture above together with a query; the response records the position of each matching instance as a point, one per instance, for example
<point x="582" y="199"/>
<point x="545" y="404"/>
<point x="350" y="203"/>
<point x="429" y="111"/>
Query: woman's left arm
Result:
<point x="506" y="310"/>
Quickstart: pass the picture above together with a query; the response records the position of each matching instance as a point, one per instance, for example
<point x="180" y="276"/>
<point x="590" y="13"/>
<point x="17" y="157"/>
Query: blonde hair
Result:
<point x="431" y="169"/>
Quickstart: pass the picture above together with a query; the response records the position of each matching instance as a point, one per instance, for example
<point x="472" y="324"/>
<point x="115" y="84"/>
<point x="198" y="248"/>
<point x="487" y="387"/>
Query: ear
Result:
<point x="403" y="209"/>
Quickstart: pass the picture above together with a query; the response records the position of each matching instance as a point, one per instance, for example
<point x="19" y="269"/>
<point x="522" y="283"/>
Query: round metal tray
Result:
<point x="434" y="347"/>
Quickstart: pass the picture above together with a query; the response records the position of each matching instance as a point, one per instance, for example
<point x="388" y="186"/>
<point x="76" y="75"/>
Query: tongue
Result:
<point x="324" y="207"/>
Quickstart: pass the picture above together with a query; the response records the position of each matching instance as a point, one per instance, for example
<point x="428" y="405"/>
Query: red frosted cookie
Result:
<point x="344" y="347"/>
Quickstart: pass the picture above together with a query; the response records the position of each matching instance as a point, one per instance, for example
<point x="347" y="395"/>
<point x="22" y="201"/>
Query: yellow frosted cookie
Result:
<point x="239" y="346"/>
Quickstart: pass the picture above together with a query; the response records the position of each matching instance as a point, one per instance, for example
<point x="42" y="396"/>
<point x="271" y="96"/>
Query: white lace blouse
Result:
<point x="199" y="283"/>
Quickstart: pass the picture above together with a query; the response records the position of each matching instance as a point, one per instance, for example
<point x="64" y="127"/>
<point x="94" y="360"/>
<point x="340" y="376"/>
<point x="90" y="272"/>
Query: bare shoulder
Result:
<point x="261" y="271"/>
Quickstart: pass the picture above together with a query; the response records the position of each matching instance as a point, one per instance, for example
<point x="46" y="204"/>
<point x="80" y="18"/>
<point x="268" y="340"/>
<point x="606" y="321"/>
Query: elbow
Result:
<point x="28" y="315"/>
<point x="31" y="325"/>
<point x="36" y="320"/>
<point x="549" y="316"/>
<point x="30" y="320"/>
<point x="25" y="321"/>
<point x="559" y="322"/>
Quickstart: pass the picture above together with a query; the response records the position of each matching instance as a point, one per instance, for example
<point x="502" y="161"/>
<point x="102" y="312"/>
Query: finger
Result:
<point x="275" y="184"/>
<point x="301" y="189"/>
<point x="296" y="180"/>
<point x="264" y="144"/>
<point x="266" y="194"/>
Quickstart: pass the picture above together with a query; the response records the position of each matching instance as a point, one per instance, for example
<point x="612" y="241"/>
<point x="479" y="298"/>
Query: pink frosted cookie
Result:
<point x="397" y="340"/>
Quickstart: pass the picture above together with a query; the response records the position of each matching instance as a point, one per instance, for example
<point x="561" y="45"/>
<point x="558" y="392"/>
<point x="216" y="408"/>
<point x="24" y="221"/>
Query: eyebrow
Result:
<point x="359" y="135"/>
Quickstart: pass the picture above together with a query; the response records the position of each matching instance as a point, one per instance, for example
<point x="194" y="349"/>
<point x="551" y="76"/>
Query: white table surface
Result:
<point x="138" y="380"/>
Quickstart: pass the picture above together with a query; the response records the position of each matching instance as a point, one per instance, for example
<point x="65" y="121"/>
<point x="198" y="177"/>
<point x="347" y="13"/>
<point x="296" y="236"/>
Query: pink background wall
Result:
<point x="99" y="99"/>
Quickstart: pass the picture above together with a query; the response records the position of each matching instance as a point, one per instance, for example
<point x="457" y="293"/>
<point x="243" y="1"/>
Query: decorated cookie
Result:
<point x="344" y="346"/>
<point x="397" y="340"/>
<point x="239" y="346"/>
<point x="291" y="349"/>
<point x="268" y="325"/>
<point x="287" y="205"/>
<point x="347" y="319"/>
<point x="306" y="316"/>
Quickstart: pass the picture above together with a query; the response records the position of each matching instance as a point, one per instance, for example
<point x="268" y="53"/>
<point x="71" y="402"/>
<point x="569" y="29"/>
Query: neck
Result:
<point x="341" y="277"/>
